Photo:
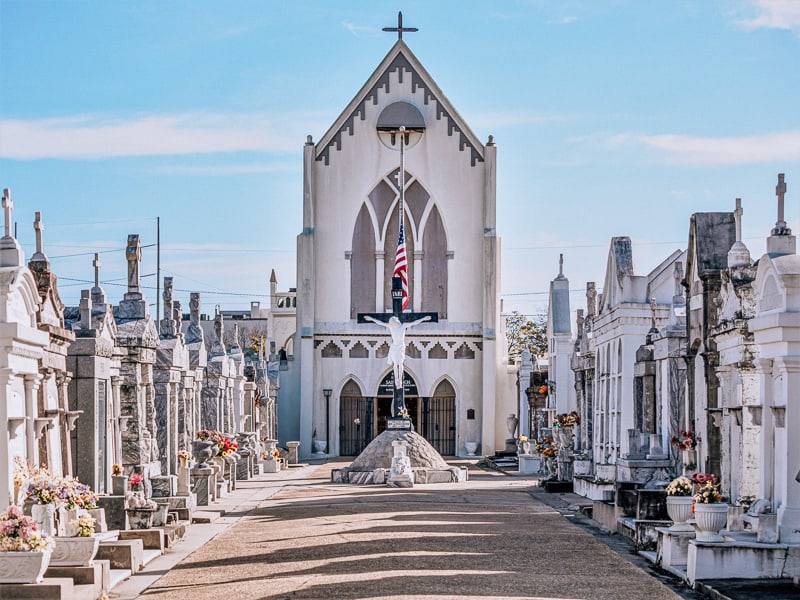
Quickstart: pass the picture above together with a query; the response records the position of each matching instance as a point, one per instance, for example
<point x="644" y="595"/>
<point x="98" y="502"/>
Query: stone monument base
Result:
<point x="373" y="465"/>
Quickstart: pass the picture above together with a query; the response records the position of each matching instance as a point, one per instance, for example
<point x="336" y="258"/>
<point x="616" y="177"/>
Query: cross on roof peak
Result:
<point x="400" y="29"/>
<point x="96" y="264"/>
<point x="38" y="228"/>
<point x="8" y="206"/>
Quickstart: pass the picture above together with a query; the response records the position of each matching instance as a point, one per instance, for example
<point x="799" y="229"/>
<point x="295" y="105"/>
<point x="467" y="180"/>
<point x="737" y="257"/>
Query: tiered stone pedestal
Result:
<point x="673" y="547"/>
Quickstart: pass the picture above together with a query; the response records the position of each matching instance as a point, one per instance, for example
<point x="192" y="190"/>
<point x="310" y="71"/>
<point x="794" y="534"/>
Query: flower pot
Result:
<point x="320" y="446"/>
<point x="679" y="509"/>
<point x="140" y="518"/>
<point x="23" y="567"/>
<point x="709" y="520"/>
<point x="202" y="450"/>
<point x="525" y="447"/>
<point x="511" y="423"/>
<point x="119" y="484"/>
<point x="74" y="551"/>
<point x="45" y="517"/>
<point x="470" y="447"/>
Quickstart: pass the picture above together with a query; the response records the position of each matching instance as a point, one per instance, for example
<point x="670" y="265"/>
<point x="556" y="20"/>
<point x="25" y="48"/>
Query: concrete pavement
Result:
<point x="301" y="537"/>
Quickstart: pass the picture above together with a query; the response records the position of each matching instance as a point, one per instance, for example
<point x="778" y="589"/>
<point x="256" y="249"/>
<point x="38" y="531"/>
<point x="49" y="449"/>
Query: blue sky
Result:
<point x="610" y="117"/>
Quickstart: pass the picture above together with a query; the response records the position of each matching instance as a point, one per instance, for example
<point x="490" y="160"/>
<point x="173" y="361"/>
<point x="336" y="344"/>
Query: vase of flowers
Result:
<point x="679" y="503"/>
<point x="78" y="551"/>
<point x="710" y="512"/>
<point x="524" y="446"/>
<point x="24" y="551"/>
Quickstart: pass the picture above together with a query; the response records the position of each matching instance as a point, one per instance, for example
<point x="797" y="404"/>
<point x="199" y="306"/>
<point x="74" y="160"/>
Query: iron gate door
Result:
<point x="355" y="424"/>
<point x="441" y="424"/>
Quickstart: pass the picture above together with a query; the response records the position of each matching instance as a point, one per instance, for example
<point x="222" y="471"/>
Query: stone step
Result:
<point x="206" y="516"/>
<point x="117" y="576"/>
<point x="174" y="534"/>
<point x="150" y="555"/>
<point x="122" y="554"/>
<point x="96" y="575"/>
<point x="55" y="588"/>
<point x="152" y="539"/>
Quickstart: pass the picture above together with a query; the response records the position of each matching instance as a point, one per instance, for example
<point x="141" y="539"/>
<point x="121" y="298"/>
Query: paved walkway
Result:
<point x="489" y="538"/>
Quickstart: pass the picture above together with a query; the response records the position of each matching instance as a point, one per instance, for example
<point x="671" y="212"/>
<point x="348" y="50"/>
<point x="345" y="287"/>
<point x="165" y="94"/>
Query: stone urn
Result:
<point x="511" y="423"/>
<point x="709" y="520"/>
<point x="23" y="567"/>
<point x="203" y="451"/>
<point x="140" y="518"/>
<point x="471" y="448"/>
<point x="679" y="509"/>
<point x="45" y="517"/>
<point x="74" y="551"/>
<point x="320" y="446"/>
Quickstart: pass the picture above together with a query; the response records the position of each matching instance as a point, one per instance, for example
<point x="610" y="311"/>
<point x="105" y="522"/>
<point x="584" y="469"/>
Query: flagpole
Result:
<point x="402" y="177"/>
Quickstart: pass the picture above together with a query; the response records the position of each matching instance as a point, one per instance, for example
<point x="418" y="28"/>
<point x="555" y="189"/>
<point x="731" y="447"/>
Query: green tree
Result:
<point x="523" y="333"/>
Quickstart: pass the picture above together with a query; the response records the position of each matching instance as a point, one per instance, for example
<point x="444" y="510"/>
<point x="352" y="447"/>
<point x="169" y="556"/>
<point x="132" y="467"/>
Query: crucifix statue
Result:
<point x="397" y="322"/>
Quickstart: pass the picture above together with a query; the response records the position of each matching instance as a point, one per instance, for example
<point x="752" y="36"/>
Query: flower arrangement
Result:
<point x="543" y="389"/>
<point x="685" y="439"/>
<point x="708" y="493"/>
<point x="79" y="495"/>
<point x="704" y="478"/>
<point x="41" y="486"/>
<point x="567" y="419"/>
<point x="546" y="447"/>
<point x="680" y="486"/>
<point x="273" y="454"/>
<point x="135" y="480"/>
<point x="20" y="533"/>
<point x="86" y="524"/>
<point x="225" y="445"/>
<point x="116" y="469"/>
<point x="183" y="457"/>
<point x="403" y="413"/>
<point x="522" y="438"/>
<point x="356" y="421"/>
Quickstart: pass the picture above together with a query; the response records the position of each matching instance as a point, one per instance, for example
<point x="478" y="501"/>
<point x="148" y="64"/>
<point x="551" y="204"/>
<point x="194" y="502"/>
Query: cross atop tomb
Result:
<point x="560" y="266"/>
<point x="780" y="191"/>
<point x="38" y="227"/>
<point x="96" y="264"/>
<point x="8" y="206"/>
<point x="400" y="29"/>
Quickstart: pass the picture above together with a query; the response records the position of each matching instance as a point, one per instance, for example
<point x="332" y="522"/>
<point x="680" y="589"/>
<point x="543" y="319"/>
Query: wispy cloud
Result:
<point x="687" y="149"/>
<point x="772" y="14"/>
<point x="357" y="30"/>
<point x="103" y="136"/>
<point x="564" y="20"/>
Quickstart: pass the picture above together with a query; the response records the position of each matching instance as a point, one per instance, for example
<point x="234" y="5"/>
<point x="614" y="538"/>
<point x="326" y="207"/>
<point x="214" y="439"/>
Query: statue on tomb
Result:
<point x="167" y="296"/>
<point x="219" y="326"/>
<point x="397" y="350"/>
<point x="194" y="308"/>
<point x="133" y="253"/>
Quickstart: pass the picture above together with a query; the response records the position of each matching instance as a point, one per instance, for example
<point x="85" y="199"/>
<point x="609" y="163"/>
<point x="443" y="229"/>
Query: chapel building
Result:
<point x="338" y="388"/>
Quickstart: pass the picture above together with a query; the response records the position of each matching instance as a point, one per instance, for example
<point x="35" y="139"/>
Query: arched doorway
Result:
<point x="383" y="401"/>
<point x="439" y="419"/>
<point x="355" y="420"/>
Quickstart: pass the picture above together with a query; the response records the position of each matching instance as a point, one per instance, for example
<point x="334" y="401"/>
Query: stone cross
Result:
<point x="780" y="191"/>
<point x="38" y="227"/>
<point x="737" y="215"/>
<point x="780" y="225"/>
<point x="97" y="264"/>
<point x="400" y="29"/>
<point x="8" y="206"/>
<point x="560" y="266"/>
<point x="133" y="253"/>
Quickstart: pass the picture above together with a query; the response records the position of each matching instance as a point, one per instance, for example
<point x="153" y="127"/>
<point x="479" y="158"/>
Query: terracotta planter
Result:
<point x="679" y="509"/>
<point x="23" y="567"/>
<point x="709" y="520"/>
<point x="74" y="551"/>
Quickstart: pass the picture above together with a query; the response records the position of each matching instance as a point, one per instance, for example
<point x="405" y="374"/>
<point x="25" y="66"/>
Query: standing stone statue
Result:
<point x="397" y="350"/>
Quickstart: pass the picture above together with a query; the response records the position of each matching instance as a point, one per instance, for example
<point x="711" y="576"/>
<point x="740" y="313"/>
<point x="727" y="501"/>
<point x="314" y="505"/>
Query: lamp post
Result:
<point x="327" y="392"/>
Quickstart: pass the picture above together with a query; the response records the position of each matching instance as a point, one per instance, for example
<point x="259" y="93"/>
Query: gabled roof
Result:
<point x="399" y="58"/>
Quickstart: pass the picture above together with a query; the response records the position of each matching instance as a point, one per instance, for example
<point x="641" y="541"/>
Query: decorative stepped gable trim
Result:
<point x="399" y="58"/>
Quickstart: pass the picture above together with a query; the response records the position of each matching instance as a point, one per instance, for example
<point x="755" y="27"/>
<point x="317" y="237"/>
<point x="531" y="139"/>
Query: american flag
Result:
<point x="401" y="264"/>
